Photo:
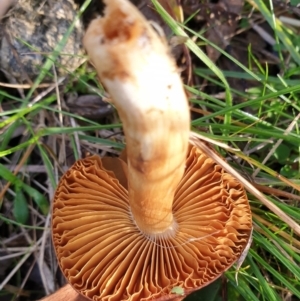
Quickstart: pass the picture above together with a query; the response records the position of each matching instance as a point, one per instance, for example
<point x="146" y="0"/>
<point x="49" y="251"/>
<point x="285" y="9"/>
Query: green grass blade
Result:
<point x="279" y="30"/>
<point x="20" y="209"/>
<point x="242" y="287"/>
<point x="266" y="290"/>
<point x="38" y="198"/>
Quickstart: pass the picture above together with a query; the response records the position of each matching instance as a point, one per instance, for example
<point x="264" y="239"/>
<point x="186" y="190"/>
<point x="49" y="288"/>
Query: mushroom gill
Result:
<point x="178" y="219"/>
<point x="105" y="256"/>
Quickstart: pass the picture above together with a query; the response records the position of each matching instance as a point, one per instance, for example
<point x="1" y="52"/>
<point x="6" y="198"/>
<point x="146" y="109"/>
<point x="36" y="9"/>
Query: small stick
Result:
<point x="66" y="293"/>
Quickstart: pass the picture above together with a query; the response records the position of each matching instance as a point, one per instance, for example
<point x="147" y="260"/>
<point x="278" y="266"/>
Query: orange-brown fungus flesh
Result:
<point x="104" y="255"/>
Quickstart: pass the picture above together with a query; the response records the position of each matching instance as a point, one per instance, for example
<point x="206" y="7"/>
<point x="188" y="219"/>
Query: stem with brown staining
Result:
<point x="135" y="66"/>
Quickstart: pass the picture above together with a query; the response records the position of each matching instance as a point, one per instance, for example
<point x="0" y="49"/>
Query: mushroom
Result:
<point x="167" y="216"/>
<point x="4" y="6"/>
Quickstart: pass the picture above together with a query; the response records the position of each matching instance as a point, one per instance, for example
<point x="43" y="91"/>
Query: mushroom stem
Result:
<point x="135" y="66"/>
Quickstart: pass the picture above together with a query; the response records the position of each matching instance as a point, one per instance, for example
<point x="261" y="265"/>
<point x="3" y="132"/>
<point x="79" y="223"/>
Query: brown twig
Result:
<point x="66" y="293"/>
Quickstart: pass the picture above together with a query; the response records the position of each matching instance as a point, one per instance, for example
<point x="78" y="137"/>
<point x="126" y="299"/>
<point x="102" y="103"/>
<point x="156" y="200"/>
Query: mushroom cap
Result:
<point x="104" y="255"/>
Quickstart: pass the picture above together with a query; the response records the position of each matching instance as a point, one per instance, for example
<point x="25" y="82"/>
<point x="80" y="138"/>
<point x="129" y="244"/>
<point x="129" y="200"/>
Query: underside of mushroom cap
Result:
<point x="104" y="255"/>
